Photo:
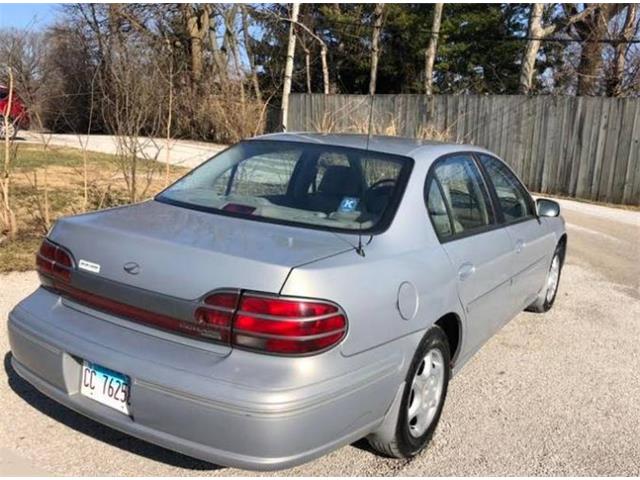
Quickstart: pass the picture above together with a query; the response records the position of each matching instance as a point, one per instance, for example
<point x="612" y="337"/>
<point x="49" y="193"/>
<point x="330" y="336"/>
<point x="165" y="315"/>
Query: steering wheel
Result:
<point x="385" y="182"/>
<point x="378" y="193"/>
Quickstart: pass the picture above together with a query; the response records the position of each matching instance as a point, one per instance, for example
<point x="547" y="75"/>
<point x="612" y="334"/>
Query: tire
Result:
<point x="13" y="130"/>
<point x="414" y="430"/>
<point x="547" y="297"/>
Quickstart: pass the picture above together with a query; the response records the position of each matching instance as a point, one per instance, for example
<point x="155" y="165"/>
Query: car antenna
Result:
<point x="360" y="247"/>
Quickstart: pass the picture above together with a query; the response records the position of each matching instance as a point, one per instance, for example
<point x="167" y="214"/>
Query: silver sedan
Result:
<point x="293" y="294"/>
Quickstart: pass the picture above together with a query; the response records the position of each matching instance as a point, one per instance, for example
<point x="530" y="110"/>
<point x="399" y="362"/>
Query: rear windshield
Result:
<point x="312" y="185"/>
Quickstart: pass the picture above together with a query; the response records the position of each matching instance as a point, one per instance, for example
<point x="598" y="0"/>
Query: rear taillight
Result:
<point x="216" y="314"/>
<point x="54" y="261"/>
<point x="287" y="326"/>
<point x="276" y="325"/>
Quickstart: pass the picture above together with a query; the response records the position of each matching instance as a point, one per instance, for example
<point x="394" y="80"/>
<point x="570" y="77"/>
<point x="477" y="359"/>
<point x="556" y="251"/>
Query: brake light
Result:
<point x="287" y="326"/>
<point x="273" y="325"/>
<point x="54" y="261"/>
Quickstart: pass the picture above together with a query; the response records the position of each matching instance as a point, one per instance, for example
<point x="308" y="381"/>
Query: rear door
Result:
<point x="463" y="217"/>
<point x="531" y="242"/>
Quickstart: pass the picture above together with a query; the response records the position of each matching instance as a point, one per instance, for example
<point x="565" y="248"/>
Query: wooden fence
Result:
<point x="585" y="147"/>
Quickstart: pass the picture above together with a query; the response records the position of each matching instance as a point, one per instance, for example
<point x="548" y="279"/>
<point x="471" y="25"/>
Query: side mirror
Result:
<point x="547" y="208"/>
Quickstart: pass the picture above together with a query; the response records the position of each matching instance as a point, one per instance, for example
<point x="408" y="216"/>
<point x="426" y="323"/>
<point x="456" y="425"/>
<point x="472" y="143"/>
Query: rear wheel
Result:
<point x="423" y="398"/>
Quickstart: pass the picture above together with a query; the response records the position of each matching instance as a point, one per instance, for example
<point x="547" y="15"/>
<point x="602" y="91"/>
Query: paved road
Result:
<point x="553" y="394"/>
<point x="181" y="152"/>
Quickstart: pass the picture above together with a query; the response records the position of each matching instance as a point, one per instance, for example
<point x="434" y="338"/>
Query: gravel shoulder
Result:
<point x="552" y="394"/>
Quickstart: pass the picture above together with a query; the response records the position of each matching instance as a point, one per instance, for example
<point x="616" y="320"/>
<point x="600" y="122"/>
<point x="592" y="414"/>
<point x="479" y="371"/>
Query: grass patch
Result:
<point x="59" y="172"/>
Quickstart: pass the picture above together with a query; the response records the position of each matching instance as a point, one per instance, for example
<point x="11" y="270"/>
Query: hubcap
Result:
<point x="10" y="130"/>
<point x="426" y="393"/>
<point x="552" y="279"/>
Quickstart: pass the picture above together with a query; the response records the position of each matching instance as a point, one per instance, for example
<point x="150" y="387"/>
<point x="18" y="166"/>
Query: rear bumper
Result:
<point x="217" y="419"/>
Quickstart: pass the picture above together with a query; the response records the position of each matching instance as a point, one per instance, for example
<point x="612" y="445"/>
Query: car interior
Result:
<point x="463" y="194"/>
<point x="321" y="182"/>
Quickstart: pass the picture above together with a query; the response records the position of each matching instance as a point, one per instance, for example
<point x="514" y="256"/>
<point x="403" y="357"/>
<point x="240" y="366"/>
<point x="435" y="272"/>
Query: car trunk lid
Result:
<point x="184" y="253"/>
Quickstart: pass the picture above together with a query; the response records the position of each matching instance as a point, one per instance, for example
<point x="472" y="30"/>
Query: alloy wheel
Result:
<point x="426" y="392"/>
<point x="552" y="278"/>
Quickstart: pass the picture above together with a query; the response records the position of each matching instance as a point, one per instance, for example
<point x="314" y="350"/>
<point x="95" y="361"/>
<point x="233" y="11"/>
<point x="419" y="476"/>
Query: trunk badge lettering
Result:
<point x="132" y="268"/>
<point x="89" y="266"/>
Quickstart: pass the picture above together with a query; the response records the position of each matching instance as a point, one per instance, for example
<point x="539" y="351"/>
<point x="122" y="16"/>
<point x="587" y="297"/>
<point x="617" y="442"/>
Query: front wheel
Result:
<point x="423" y="398"/>
<point x="547" y="296"/>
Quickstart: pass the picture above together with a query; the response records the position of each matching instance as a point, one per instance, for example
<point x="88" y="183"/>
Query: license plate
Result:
<point x="105" y="386"/>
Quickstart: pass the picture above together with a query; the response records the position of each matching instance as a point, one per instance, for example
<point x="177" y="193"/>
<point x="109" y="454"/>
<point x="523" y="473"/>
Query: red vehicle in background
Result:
<point x="17" y="114"/>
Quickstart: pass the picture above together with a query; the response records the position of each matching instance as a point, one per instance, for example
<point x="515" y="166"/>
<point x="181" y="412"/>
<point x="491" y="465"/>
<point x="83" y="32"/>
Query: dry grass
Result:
<point x="391" y="125"/>
<point x="61" y="169"/>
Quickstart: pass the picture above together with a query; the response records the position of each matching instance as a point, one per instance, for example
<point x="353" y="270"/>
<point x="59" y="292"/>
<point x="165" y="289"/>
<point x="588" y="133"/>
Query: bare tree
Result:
<point x="251" y="56"/>
<point x="8" y="215"/>
<point x="375" y="46"/>
<point x="288" y="70"/>
<point x="538" y="32"/>
<point x="132" y="105"/>
<point x="430" y="54"/>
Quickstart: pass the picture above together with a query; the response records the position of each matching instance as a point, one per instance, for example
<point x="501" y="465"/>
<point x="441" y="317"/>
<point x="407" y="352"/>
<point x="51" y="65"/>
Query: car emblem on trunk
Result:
<point x="132" y="267"/>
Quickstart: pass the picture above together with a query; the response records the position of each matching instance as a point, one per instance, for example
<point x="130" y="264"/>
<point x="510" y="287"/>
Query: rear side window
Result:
<point x="464" y="195"/>
<point x="438" y="211"/>
<point x="513" y="198"/>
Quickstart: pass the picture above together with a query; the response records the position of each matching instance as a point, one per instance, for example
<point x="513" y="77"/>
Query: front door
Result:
<point x="532" y="243"/>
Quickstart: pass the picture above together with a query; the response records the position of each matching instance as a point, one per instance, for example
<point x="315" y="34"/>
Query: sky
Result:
<point x="33" y="16"/>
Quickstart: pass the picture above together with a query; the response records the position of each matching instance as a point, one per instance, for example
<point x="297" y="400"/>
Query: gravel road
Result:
<point x="553" y="394"/>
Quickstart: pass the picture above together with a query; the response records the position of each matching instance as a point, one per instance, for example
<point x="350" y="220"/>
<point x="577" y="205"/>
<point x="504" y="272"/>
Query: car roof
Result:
<point x="409" y="147"/>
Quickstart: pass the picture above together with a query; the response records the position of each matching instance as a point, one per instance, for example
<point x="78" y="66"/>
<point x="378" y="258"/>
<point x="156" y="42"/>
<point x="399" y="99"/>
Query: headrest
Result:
<point x="340" y="181"/>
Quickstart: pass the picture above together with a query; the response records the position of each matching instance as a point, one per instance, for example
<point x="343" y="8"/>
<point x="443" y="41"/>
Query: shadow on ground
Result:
<point x="96" y="430"/>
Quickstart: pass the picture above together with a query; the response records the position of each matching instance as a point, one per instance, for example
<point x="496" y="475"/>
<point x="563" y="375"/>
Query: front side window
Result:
<point x="293" y="182"/>
<point x="512" y="197"/>
<point x="464" y="194"/>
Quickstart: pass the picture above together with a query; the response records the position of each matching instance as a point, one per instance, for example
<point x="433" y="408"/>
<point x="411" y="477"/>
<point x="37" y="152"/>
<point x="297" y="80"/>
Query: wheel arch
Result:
<point x="562" y="243"/>
<point x="451" y="324"/>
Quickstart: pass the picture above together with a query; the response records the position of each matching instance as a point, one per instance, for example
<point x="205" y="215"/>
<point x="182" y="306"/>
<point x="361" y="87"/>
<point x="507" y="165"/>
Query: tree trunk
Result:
<point x="197" y="23"/>
<point x="325" y="68"/>
<point x="430" y="54"/>
<point x="288" y="69"/>
<point x="219" y="59"/>
<point x="375" y="47"/>
<point x="527" y="67"/>
<point x="591" y="29"/>
<point x="307" y="65"/>
<point x="615" y="83"/>
<point x="167" y="158"/>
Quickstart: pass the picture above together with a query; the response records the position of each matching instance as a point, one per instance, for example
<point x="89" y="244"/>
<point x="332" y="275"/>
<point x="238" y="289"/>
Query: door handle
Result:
<point x="466" y="270"/>
<point x="520" y="244"/>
